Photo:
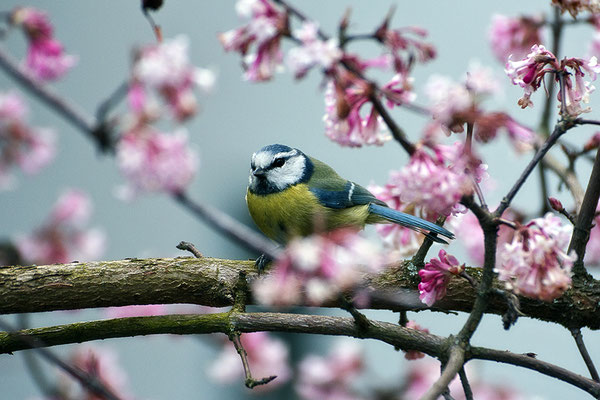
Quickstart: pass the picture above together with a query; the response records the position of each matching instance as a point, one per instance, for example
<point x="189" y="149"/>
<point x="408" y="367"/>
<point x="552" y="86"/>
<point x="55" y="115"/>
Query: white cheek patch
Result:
<point x="289" y="174"/>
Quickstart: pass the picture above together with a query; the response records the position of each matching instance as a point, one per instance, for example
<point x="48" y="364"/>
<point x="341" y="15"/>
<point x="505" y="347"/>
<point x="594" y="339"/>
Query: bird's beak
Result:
<point x="259" y="172"/>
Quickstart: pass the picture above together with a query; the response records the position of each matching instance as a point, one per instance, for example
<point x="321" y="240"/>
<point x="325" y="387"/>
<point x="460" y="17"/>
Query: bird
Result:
<point x="291" y="194"/>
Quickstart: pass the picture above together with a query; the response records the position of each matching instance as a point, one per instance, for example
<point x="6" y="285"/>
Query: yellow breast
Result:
<point x="295" y="211"/>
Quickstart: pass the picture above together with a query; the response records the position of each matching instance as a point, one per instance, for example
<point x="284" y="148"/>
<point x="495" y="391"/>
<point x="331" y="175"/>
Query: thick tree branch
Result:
<point x="212" y="282"/>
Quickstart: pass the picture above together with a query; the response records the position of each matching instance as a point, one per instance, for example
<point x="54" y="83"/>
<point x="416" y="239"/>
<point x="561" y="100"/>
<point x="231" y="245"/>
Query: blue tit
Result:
<point x="291" y="194"/>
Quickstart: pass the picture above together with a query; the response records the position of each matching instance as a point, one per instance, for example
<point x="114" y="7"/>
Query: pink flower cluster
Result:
<point x="436" y="275"/>
<point x="27" y="147"/>
<point x="407" y="40"/>
<point x="45" y="57"/>
<point x="264" y="30"/>
<point x="267" y="356"/>
<point x="535" y="263"/>
<point x="62" y="238"/>
<point x="529" y="72"/>
<point x="152" y="160"/>
<point x="437" y="182"/>
<point x="313" y="51"/>
<point x="318" y="268"/>
<point x="165" y="68"/>
<point x="155" y="161"/>
<point x="514" y="36"/>
<point x="331" y="377"/>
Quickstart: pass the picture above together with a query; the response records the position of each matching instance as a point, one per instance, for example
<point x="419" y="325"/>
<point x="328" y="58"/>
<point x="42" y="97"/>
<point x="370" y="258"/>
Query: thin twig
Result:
<point x="464" y="380"/>
<point x="454" y="364"/>
<point x="250" y="382"/>
<point x="560" y="128"/>
<point x="584" y="353"/>
<point x="187" y="246"/>
<point x="88" y="381"/>
<point x="362" y="322"/>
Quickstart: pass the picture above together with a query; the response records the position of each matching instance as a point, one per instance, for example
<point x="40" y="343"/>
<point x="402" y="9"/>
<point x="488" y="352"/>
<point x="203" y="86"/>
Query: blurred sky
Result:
<point x="237" y="119"/>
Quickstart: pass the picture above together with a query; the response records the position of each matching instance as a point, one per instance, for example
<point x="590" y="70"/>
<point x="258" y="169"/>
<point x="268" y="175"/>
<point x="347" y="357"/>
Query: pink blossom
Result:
<point x="331" y="377"/>
<point x="414" y="354"/>
<point x="528" y="73"/>
<point x="62" y="238"/>
<point x="580" y="90"/>
<point x="313" y="51"/>
<point x="436" y="275"/>
<point x="155" y="161"/>
<point x="488" y="125"/>
<point x="450" y="101"/>
<point x="535" y="263"/>
<point x="165" y="68"/>
<point x="102" y="364"/>
<point x="344" y="123"/>
<point x="267" y="356"/>
<point x="514" y="36"/>
<point x="265" y="28"/>
<point x="318" y="268"/>
<point x="405" y="45"/>
<point x="480" y="81"/>
<point x="45" y="58"/>
<point x="436" y="182"/>
<point x="23" y="146"/>
<point x="574" y="7"/>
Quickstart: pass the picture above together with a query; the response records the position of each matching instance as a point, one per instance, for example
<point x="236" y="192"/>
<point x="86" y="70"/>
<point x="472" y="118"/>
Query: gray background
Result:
<point x="237" y="119"/>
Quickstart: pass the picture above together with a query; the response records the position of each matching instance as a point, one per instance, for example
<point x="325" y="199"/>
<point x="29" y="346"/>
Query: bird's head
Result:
<point x="276" y="167"/>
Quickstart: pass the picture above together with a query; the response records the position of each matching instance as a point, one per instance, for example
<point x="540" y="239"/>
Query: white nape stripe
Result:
<point x="351" y="191"/>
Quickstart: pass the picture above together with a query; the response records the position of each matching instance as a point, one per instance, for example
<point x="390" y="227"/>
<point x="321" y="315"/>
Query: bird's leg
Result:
<point x="261" y="262"/>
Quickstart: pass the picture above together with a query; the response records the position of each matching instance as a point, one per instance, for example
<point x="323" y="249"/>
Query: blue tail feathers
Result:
<point x="427" y="228"/>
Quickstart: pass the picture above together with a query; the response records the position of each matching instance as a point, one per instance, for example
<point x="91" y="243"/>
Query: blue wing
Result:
<point x="350" y="195"/>
<point x="429" y="229"/>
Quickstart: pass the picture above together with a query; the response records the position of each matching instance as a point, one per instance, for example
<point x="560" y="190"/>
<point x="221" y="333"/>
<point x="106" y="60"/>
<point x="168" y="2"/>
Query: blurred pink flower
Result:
<point x="344" y="123"/>
<point x="267" y="356"/>
<point x="312" y="52"/>
<point x="592" y="250"/>
<point x="45" y="58"/>
<point x="165" y="68"/>
<point x="331" y="377"/>
<point x="405" y="45"/>
<point x="437" y="182"/>
<point x="145" y="310"/>
<point x="487" y="127"/>
<point x="535" y="263"/>
<point x="436" y="275"/>
<point x="414" y="354"/>
<point x="450" y="101"/>
<point x="155" y="161"/>
<point x="318" y="268"/>
<point x="266" y="26"/>
<point x="27" y="147"/>
<point x="514" y="35"/>
<point x="102" y="364"/>
<point x="62" y="238"/>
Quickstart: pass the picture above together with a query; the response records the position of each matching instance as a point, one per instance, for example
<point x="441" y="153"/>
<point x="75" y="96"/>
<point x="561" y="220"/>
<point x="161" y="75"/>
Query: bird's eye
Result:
<point x="278" y="162"/>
